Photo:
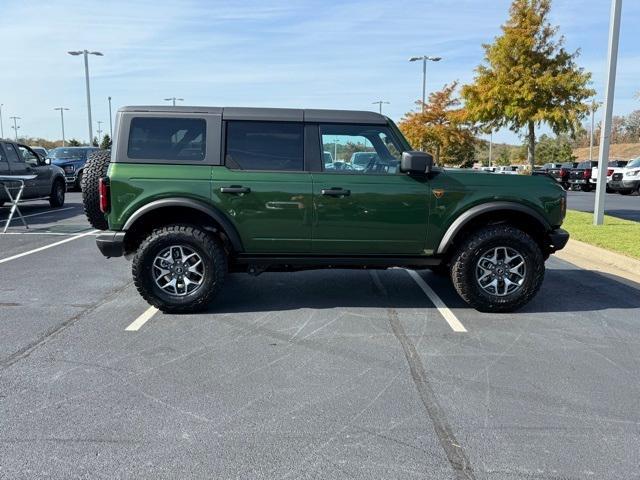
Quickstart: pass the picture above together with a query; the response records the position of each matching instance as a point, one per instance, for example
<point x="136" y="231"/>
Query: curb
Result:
<point x="598" y="259"/>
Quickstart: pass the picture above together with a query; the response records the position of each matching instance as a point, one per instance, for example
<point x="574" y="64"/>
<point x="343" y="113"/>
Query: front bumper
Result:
<point x="557" y="239"/>
<point x="111" y="243"/>
<point x="624" y="184"/>
<point x="70" y="178"/>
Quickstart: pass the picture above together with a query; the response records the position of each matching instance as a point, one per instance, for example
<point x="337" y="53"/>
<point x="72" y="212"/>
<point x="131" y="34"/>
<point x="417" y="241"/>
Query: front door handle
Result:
<point x="335" y="192"/>
<point x="235" y="189"/>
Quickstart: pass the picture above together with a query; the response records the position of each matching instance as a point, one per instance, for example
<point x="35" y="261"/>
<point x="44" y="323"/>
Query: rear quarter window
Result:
<point x="179" y="139"/>
<point x="277" y="146"/>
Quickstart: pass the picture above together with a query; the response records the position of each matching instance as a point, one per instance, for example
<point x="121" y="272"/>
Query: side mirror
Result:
<point x="416" y="162"/>
<point x="46" y="161"/>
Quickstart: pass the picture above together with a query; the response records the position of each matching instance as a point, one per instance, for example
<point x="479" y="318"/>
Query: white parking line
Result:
<point x="39" y="213"/>
<point x="59" y="234"/>
<point x="51" y="245"/>
<point x="448" y="315"/>
<point x="142" y="319"/>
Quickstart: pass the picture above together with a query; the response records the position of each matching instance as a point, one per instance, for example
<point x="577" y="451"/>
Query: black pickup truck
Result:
<point x="558" y="171"/>
<point x="580" y="176"/>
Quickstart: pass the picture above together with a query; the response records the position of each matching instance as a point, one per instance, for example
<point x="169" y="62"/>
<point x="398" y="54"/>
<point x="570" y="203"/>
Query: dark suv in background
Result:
<point x="18" y="159"/>
<point x="72" y="161"/>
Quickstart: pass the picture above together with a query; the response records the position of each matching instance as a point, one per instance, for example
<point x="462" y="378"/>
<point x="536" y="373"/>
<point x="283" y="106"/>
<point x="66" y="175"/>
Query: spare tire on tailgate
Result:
<point x="95" y="168"/>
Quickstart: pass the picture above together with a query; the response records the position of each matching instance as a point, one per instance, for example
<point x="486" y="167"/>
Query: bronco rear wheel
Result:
<point x="498" y="269"/>
<point x="95" y="168"/>
<point x="179" y="268"/>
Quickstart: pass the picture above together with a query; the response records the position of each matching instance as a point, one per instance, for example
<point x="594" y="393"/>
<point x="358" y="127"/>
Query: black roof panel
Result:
<point x="271" y="114"/>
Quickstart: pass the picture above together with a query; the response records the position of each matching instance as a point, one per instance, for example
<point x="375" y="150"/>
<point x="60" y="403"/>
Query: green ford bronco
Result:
<point x="193" y="193"/>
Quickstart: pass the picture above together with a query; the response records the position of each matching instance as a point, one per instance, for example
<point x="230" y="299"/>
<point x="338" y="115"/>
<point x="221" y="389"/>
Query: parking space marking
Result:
<point x="142" y="319"/>
<point x="448" y="315"/>
<point x="62" y="234"/>
<point x="39" y="213"/>
<point x="45" y="247"/>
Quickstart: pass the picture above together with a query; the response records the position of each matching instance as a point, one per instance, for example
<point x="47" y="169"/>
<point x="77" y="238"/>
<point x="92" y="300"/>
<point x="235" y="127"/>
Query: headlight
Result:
<point x="69" y="168"/>
<point x="633" y="173"/>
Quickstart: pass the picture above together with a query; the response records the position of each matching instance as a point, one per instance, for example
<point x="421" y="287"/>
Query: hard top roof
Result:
<point x="270" y="114"/>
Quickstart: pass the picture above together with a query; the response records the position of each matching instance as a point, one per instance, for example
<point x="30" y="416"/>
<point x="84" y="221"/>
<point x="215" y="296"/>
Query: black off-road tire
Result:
<point x="78" y="184"/>
<point x="442" y="270"/>
<point x="464" y="264"/>
<point x="204" y="244"/>
<point x="58" y="191"/>
<point x="95" y="168"/>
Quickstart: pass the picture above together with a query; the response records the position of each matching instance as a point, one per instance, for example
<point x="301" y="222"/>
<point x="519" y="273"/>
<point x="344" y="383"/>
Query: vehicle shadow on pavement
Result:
<point x="320" y="289"/>
<point x="563" y="290"/>
<point x="578" y="290"/>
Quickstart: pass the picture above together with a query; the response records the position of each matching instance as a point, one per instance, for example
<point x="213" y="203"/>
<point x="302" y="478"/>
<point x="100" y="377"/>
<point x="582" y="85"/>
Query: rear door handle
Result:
<point x="335" y="192"/>
<point x="235" y="189"/>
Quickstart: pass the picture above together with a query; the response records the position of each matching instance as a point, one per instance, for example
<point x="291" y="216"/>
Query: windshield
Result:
<point x="634" y="163"/>
<point x="363" y="158"/>
<point x="68" y="153"/>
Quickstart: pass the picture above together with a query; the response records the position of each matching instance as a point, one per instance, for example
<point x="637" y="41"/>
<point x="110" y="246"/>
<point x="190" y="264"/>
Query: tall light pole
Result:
<point x="110" y="122"/>
<point x="99" y="122"/>
<point x="86" y="54"/>
<point x="15" y="125"/>
<point x="379" y="103"/>
<point x="425" y="59"/>
<point x="605" y="131"/>
<point x="174" y="100"/>
<point x="62" y="110"/>
<point x="1" y="124"/>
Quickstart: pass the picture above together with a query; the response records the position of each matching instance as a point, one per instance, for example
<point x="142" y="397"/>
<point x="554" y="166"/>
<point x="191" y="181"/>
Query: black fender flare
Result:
<point x="468" y="215"/>
<point x="228" y="228"/>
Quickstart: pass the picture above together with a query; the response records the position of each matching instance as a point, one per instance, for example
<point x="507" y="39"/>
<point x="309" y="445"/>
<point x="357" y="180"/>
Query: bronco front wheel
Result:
<point x="498" y="269"/>
<point x="179" y="268"/>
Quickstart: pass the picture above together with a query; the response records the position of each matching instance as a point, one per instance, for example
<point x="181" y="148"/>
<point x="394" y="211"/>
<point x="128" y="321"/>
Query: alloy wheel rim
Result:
<point x="178" y="270"/>
<point x="501" y="271"/>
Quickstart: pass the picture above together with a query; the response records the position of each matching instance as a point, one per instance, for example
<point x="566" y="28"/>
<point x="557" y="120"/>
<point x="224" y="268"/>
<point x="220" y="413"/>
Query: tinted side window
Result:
<point x="265" y="146"/>
<point x="12" y="154"/>
<point x="167" y="138"/>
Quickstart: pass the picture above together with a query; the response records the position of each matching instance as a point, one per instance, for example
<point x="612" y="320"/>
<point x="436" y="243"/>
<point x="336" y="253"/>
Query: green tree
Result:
<point x="73" y="143"/>
<point x="94" y="142"/>
<point x="554" y="150"/>
<point x="528" y="78"/>
<point x="106" y="143"/>
<point x="442" y="127"/>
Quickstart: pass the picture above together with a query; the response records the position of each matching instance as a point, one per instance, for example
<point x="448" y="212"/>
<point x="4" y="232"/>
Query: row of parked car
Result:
<point x="622" y="176"/>
<point x="53" y="171"/>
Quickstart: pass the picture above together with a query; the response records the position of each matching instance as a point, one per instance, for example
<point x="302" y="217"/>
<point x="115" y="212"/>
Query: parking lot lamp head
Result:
<point x="379" y="103"/>
<point x="174" y="100"/>
<point x="86" y="54"/>
<point x="425" y="59"/>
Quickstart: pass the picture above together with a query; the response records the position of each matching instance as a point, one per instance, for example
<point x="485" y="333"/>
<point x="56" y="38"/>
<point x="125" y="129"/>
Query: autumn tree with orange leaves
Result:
<point x="441" y="127"/>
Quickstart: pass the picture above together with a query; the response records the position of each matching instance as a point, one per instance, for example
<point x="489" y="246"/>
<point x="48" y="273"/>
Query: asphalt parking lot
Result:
<point x="328" y="374"/>
<point x="616" y="205"/>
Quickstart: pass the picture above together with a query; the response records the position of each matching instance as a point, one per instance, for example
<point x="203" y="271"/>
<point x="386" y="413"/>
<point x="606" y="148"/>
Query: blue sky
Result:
<point x="315" y="54"/>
